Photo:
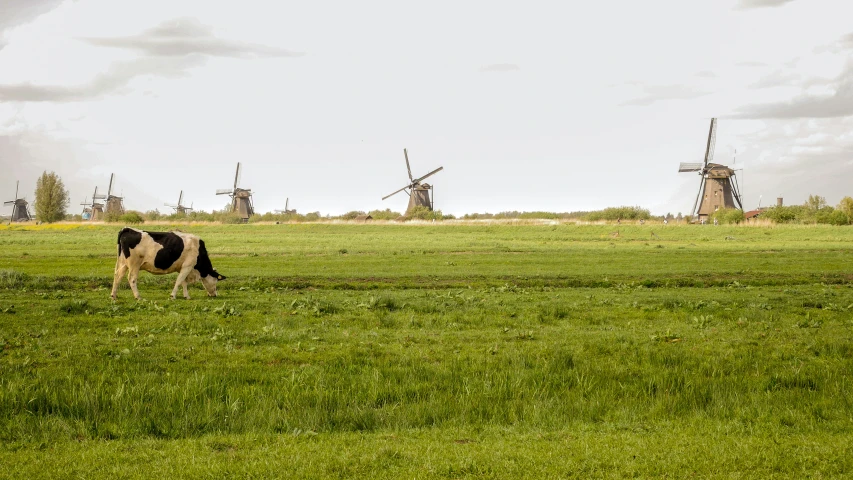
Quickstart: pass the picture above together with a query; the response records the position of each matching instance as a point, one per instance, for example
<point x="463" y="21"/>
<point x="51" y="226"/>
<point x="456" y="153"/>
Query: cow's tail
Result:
<point x="118" y="247"/>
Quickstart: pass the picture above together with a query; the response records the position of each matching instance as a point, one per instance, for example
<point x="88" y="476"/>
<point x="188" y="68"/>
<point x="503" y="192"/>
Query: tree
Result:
<point x="815" y="202"/>
<point x="51" y="198"/>
<point x="846" y="206"/>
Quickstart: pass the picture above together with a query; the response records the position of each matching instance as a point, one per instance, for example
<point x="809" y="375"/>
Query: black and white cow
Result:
<point x="161" y="253"/>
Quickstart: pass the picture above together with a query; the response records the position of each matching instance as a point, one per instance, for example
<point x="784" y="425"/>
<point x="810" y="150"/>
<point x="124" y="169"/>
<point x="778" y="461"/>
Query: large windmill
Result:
<point x="241" y="198"/>
<point x="420" y="194"/>
<point x="114" y="204"/>
<point x="180" y="207"/>
<point x="718" y="187"/>
<point x="95" y="210"/>
<point x="20" y="209"/>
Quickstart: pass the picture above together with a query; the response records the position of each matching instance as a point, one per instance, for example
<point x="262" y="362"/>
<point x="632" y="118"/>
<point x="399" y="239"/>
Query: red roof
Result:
<point x="751" y="214"/>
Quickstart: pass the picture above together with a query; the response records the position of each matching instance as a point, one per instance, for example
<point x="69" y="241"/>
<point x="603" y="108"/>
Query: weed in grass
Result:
<point x="74" y="307"/>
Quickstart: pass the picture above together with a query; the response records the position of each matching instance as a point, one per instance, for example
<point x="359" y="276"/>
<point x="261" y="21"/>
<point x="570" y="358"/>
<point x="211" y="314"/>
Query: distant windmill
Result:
<point x="286" y="210"/>
<point x="114" y="204"/>
<point x="420" y="194"/>
<point x="718" y="187"/>
<point x="180" y="207"/>
<point x="94" y="210"/>
<point x="241" y="198"/>
<point x="20" y="209"/>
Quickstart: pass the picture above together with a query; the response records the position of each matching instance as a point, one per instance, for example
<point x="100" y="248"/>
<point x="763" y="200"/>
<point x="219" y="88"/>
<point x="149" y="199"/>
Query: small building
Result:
<point x="363" y="218"/>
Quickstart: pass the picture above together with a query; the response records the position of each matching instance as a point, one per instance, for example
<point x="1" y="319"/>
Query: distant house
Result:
<point x="752" y="215"/>
<point x="363" y="218"/>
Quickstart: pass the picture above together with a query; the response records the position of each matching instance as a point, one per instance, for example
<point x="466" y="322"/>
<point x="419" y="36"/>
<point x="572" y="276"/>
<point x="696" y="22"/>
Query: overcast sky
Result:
<point x="556" y="106"/>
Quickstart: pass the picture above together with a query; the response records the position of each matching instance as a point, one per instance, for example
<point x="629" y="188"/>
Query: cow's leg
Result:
<point x="121" y="269"/>
<point x="132" y="276"/>
<point x="186" y="292"/>
<point x="182" y="277"/>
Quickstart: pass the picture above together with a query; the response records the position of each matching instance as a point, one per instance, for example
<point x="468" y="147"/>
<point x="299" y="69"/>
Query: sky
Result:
<point x="528" y="106"/>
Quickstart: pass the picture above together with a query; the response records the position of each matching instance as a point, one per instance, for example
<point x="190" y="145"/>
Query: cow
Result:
<point x="161" y="253"/>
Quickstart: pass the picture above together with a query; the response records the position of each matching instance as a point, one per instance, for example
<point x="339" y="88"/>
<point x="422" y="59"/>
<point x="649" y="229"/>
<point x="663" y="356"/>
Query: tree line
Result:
<point x="52" y="200"/>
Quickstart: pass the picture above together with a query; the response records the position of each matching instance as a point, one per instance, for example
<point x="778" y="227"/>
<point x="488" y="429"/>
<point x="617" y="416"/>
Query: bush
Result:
<point x="619" y="213"/>
<point x="386" y="214"/>
<point x="131" y="218"/>
<point x="728" y="216"/>
<point x="424" y="213"/>
<point x="229" y="218"/>
<point x="831" y="216"/>
<point x="351" y="215"/>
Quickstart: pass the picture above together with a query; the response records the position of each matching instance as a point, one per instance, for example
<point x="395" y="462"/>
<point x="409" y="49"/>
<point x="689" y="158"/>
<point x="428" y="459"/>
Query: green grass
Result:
<point x="434" y="352"/>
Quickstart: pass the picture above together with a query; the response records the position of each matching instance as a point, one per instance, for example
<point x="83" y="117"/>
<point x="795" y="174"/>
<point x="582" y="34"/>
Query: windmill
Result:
<point x="241" y="198"/>
<point x="180" y="207"/>
<point x="20" y="209"/>
<point x="286" y="210"/>
<point x="718" y="186"/>
<point x="94" y="211"/>
<point x="420" y="194"/>
<point x="114" y="203"/>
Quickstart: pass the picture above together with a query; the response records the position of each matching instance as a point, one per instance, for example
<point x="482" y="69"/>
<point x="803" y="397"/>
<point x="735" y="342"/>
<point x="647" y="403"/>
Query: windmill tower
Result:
<point x="20" y="209"/>
<point x="420" y="194"/>
<point x="93" y="211"/>
<point x="180" y="207"/>
<point x="114" y="203"/>
<point x="286" y="210"/>
<point x="241" y="198"/>
<point x="718" y="186"/>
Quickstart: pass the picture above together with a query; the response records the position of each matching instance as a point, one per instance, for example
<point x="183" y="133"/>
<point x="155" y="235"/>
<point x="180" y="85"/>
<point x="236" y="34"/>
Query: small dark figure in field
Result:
<point x="161" y="253"/>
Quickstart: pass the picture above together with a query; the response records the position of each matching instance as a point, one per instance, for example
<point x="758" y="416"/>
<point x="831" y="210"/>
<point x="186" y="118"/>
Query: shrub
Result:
<point x="131" y="218"/>
<point x="619" y="213"/>
<point x="386" y="214"/>
<point x="424" y="213"/>
<point x="351" y="215"/>
<point x="728" y="215"/>
<point x="831" y="216"/>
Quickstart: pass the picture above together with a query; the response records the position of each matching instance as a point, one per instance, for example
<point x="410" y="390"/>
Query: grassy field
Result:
<point x="433" y="351"/>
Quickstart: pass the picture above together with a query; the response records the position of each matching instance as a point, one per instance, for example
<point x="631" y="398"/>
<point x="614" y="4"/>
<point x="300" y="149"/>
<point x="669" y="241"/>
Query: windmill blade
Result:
<point x="181" y="197"/>
<point x="408" y="167"/>
<point x="237" y="176"/>
<point x="286" y="203"/>
<point x="395" y="193"/>
<point x="224" y="191"/>
<point x="689" y="167"/>
<point x="736" y="191"/>
<point x="170" y="205"/>
<point x="10" y="202"/>
<point x="110" y="190"/>
<point x="17" y="184"/>
<point x="428" y="174"/>
<point x="701" y="189"/>
<point x="712" y="140"/>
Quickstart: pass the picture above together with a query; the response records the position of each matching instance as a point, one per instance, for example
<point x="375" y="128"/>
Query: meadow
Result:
<point x="433" y="351"/>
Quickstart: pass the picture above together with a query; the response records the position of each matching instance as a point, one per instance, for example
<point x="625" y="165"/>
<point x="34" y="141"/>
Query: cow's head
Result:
<point x="210" y="281"/>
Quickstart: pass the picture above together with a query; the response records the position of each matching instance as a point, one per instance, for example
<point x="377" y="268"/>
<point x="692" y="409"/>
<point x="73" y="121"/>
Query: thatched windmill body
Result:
<point x="114" y="204"/>
<point x="241" y="198"/>
<point x="180" y="207"/>
<point x="718" y="186"/>
<point x="20" y="207"/>
<point x="95" y="210"/>
<point x="420" y="194"/>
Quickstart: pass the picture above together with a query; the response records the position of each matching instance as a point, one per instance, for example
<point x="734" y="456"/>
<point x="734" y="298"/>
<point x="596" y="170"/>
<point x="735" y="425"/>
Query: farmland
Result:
<point x="433" y="351"/>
